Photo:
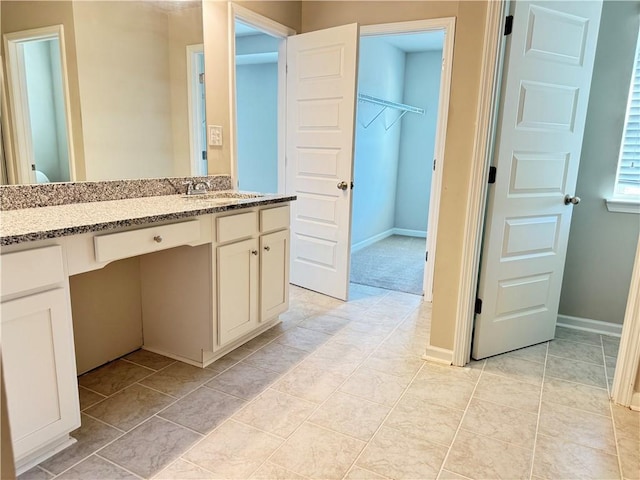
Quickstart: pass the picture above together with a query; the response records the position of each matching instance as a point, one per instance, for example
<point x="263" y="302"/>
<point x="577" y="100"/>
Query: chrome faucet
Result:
<point x="197" y="188"/>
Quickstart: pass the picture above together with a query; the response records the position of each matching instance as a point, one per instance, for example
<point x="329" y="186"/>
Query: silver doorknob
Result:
<point x="254" y="252"/>
<point x="343" y="185"/>
<point x="267" y="248"/>
<point x="568" y="199"/>
<point x="157" y="239"/>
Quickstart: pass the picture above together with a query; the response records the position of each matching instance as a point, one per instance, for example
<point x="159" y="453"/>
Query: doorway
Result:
<point x="258" y="83"/>
<point x="37" y="86"/>
<point x="398" y="95"/>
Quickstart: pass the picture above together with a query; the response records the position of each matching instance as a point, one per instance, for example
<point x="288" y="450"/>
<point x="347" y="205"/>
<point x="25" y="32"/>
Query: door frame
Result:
<point x="195" y="114"/>
<point x="486" y="118"/>
<point x="446" y="24"/>
<point x="275" y="29"/>
<point x="629" y="353"/>
<point x="19" y="105"/>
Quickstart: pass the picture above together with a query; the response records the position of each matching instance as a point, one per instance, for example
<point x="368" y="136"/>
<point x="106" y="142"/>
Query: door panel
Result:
<point x="321" y="88"/>
<point x="549" y="62"/>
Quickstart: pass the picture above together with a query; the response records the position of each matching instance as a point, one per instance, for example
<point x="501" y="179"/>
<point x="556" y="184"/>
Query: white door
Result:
<point x="321" y="98"/>
<point x="549" y="62"/>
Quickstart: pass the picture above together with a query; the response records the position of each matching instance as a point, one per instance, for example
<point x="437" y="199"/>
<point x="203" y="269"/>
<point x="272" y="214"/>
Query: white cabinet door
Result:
<point x="321" y="99"/>
<point x="544" y="103"/>
<point x="40" y="370"/>
<point x="237" y="280"/>
<point x="274" y="274"/>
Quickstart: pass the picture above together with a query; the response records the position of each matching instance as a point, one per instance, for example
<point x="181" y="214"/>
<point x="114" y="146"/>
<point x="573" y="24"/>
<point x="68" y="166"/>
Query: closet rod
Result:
<point x="385" y="103"/>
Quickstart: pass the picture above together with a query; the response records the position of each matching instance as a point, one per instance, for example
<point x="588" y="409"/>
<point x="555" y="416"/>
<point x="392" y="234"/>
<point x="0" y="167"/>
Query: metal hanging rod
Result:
<point x="387" y="104"/>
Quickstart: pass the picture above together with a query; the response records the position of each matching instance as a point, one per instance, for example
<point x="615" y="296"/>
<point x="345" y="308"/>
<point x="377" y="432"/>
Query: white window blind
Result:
<point x="628" y="178"/>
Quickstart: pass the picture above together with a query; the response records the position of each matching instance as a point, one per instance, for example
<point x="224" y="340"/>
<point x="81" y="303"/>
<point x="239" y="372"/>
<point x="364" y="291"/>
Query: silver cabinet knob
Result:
<point x="254" y="252"/>
<point x="568" y="199"/>
<point x="267" y="248"/>
<point x="343" y="185"/>
<point x="157" y="239"/>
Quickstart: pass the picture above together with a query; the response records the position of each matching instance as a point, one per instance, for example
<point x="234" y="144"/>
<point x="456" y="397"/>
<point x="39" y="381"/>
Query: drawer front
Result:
<point x="274" y="219"/>
<point x="119" y="245"/>
<point x="30" y="269"/>
<point x="235" y="227"/>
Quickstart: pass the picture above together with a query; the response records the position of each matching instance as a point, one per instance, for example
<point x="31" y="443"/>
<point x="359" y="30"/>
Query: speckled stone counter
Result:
<point x="29" y="224"/>
<point x="14" y="197"/>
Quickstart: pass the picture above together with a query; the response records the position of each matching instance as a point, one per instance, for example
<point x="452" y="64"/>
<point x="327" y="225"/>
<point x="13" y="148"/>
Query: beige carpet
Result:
<point x="394" y="263"/>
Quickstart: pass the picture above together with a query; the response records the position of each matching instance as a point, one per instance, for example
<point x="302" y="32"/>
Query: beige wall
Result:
<point x="470" y="19"/>
<point x="18" y="16"/>
<point x="106" y="308"/>
<point x="602" y="244"/>
<point x="185" y="28"/>
<point x="216" y="19"/>
<point x="123" y="65"/>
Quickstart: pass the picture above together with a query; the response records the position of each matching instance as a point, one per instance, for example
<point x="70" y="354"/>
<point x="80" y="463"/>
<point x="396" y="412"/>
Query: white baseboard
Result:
<point x="387" y="233"/>
<point x="371" y="240"/>
<point x="409" y="233"/>
<point x="588" y="325"/>
<point x="635" y="402"/>
<point x="439" y="355"/>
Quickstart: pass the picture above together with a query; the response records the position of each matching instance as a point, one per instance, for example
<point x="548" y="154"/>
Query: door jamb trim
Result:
<point x="629" y="353"/>
<point x="492" y="60"/>
<point x="275" y="29"/>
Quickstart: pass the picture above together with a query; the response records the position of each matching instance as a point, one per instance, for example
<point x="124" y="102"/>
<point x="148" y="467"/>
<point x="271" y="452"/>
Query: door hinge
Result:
<point x="492" y="174"/>
<point x="351" y="185"/>
<point x="508" y="25"/>
<point x="478" y="308"/>
<point x="434" y="164"/>
<point x="426" y="257"/>
<point x="204" y="155"/>
<point x="201" y="78"/>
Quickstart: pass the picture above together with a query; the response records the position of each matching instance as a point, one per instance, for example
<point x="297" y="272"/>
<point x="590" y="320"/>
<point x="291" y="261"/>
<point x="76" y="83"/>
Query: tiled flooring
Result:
<point x="339" y="390"/>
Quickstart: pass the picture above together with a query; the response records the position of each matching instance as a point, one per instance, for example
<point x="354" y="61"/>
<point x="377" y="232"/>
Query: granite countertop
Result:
<point x="29" y="224"/>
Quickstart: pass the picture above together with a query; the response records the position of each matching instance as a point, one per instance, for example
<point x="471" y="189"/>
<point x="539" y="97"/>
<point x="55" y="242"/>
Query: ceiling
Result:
<point x="416" y="42"/>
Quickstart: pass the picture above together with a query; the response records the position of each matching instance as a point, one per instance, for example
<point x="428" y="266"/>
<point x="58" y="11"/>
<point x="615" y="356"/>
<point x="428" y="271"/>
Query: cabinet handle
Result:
<point x="157" y="239"/>
<point x="254" y="252"/>
<point x="267" y="248"/>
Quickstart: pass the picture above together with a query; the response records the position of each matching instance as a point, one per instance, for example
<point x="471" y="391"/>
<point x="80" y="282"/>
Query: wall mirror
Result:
<point x="102" y="90"/>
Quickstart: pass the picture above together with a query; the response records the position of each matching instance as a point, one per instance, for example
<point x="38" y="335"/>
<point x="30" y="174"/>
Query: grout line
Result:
<point x="119" y="466"/>
<point x="106" y="423"/>
<point x="455" y="435"/>
<point x="613" y="420"/>
<point x="178" y="425"/>
<point x="577" y="360"/>
<point x="535" y="438"/>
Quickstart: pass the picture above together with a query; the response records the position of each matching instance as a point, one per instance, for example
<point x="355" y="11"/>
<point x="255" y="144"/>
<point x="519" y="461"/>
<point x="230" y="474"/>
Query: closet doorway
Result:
<point x="399" y="91"/>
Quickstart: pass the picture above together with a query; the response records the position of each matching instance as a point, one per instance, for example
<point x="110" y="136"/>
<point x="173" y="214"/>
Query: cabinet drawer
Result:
<point x="274" y="219"/>
<point x="30" y="269"/>
<point x="119" y="245"/>
<point x="235" y="227"/>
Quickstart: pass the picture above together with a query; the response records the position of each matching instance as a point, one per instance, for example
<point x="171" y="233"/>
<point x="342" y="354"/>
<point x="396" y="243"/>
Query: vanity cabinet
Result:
<point x="274" y="274"/>
<point x="252" y="274"/>
<point x="37" y="337"/>
<point x="207" y="285"/>
<point x="237" y="279"/>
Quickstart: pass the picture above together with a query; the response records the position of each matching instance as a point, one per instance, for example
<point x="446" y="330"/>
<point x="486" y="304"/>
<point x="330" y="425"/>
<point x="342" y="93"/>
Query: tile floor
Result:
<point x="339" y="390"/>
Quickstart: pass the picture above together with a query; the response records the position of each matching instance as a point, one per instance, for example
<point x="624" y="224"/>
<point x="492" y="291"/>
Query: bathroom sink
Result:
<point x="224" y="196"/>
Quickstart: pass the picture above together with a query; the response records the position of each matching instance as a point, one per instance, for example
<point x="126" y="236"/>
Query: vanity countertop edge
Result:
<point x="39" y="223"/>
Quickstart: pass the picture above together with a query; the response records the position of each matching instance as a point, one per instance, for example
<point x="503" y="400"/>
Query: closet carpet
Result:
<point x="393" y="263"/>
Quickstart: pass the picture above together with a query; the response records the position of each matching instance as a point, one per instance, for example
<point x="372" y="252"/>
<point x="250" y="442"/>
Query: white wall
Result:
<point x="602" y="244"/>
<point x="417" y="140"/>
<point x="257" y="126"/>
<point x="381" y="74"/>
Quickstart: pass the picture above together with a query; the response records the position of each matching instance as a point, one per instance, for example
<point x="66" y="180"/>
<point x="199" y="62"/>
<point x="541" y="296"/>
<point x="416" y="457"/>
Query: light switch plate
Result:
<point x="215" y="136"/>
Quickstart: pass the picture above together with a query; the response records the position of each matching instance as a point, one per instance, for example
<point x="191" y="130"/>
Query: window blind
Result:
<point x="628" y="180"/>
